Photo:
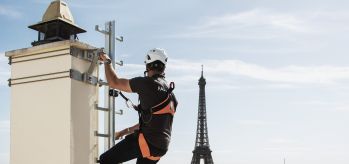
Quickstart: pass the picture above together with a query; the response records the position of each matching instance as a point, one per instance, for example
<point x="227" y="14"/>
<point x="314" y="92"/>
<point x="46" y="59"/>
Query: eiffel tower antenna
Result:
<point x="202" y="147"/>
<point x="202" y="70"/>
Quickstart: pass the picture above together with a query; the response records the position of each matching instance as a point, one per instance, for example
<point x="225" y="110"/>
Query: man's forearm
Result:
<point x="110" y="74"/>
<point x="135" y="127"/>
<point x="113" y="80"/>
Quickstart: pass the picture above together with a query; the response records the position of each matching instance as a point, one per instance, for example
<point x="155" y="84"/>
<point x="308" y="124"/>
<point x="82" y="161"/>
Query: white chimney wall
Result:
<point x="53" y="116"/>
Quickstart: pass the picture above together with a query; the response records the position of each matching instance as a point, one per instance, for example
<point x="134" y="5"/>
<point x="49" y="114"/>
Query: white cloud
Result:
<point x="289" y="149"/>
<point x="342" y="108"/>
<point x="252" y="24"/>
<point x="286" y="145"/>
<point x="328" y="21"/>
<point x="257" y="17"/>
<point x="222" y="69"/>
<point x="281" y="141"/>
<point x="9" y="12"/>
<point x="315" y="103"/>
<point x="254" y="122"/>
<point x="238" y="73"/>
<point x="328" y="106"/>
<point x="267" y="24"/>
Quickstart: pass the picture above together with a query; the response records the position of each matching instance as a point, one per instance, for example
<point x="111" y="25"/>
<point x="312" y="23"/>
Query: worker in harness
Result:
<point x="149" y="139"/>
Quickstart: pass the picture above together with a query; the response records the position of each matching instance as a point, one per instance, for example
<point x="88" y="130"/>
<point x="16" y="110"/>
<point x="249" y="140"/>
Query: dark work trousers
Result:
<point x="125" y="150"/>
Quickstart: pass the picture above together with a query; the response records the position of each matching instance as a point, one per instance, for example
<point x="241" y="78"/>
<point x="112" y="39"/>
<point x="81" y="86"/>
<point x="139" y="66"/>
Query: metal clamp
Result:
<point x="89" y="79"/>
<point x="83" y="77"/>
<point x="10" y="60"/>
<point x="83" y="54"/>
<point x="101" y="83"/>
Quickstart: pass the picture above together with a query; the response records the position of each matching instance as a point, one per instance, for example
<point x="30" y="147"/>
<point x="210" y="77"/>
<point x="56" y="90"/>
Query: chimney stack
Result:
<point x="54" y="93"/>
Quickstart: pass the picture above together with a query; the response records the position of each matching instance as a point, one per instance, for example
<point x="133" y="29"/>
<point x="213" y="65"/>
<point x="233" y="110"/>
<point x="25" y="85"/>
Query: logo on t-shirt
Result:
<point x="160" y="88"/>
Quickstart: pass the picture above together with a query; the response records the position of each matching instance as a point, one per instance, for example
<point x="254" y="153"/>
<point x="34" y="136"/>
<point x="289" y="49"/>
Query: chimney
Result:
<point x="57" y="24"/>
<point x="54" y="91"/>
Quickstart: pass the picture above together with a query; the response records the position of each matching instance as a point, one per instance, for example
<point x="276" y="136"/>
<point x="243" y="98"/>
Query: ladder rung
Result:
<point x="101" y="135"/>
<point x="102" y="109"/>
<point x="120" y="112"/>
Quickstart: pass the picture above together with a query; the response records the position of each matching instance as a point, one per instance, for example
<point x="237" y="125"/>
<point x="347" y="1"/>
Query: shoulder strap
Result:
<point x="170" y="96"/>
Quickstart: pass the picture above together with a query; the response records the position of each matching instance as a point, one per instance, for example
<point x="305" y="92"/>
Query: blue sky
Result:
<point x="277" y="71"/>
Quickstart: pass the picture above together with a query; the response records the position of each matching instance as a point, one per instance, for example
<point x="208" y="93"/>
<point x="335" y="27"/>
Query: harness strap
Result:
<point x="168" y="109"/>
<point x="164" y="107"/>
<point x="159" y="106"/>
<point x="123" y="96"/>
<point x="143" y="145"/>
<point x="128" y="101"/>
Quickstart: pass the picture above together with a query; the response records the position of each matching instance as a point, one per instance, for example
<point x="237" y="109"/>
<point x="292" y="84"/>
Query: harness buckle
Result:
<point x="171" y="88"/>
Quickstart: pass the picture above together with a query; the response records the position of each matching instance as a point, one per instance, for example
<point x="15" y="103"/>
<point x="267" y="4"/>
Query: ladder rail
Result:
<point x="109" y="100"/>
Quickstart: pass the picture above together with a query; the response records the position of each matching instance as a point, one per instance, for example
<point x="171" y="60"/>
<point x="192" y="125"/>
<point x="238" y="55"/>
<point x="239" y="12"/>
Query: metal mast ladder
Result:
<point x="109" y="93"/>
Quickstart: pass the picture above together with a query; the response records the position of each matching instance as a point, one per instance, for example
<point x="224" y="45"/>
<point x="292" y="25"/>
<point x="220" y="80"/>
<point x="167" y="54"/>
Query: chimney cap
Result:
<point x="57" y="11"/>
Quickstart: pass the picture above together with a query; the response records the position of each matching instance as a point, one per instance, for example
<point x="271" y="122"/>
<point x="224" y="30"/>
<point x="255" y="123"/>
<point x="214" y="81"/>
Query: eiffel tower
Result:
<point x="202" y="147"/>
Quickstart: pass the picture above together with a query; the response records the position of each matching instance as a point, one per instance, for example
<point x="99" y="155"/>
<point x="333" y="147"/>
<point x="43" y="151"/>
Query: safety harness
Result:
<point x="167" y="106"/>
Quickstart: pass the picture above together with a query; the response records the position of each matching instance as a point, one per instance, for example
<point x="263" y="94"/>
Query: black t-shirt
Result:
<point x="151" y="92"/>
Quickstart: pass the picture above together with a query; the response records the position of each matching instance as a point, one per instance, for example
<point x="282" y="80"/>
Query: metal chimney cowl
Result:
<point x="57" y="24"/>
<point x="58" y="10"/>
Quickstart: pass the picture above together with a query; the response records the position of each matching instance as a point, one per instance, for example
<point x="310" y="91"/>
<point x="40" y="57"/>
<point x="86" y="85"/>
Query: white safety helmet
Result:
<point x="156" y="54"/>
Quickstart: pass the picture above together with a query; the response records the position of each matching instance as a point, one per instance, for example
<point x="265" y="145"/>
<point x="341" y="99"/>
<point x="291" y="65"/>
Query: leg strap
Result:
<point x="143" y="145"/>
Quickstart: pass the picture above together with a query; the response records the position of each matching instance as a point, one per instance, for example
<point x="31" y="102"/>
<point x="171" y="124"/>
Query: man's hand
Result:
<point x="103" y="57"/>
<point x="119" y="135"/>
<point x="112" y="78"/>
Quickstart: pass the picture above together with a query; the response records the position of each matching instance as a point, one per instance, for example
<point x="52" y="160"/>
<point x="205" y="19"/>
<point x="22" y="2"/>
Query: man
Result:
<point x="149" y="139"/>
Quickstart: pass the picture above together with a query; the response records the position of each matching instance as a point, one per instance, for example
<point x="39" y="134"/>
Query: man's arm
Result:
<point x="113" y="80"/>
<point x="126" y="131"/>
